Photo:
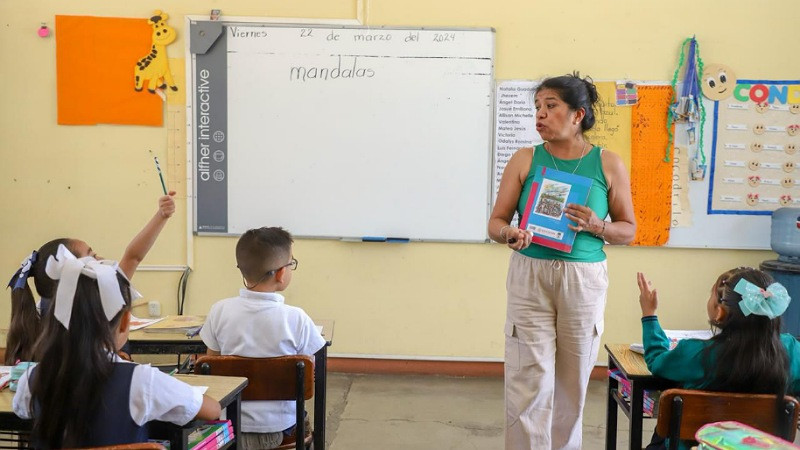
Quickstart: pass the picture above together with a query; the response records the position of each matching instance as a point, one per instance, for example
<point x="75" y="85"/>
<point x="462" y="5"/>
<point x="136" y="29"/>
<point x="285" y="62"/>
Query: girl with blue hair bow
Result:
<point x="748" y="353"/>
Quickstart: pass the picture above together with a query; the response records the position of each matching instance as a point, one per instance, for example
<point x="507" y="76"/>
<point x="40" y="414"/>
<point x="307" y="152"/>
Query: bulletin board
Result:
<point x="695" y="222"/>
<point x="754" y="135"/>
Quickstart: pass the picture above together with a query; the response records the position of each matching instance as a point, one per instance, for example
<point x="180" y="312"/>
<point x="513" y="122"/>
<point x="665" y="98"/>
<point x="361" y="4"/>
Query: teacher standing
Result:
<point x="554" y="315"/>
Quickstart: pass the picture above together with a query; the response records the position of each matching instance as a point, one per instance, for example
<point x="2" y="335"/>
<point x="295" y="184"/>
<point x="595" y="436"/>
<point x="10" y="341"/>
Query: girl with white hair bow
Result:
<point x="82" y="394"/>
<point x="25" y="326"/>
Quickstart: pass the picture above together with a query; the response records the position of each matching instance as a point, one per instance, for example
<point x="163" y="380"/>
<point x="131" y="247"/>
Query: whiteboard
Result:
<point x="338" y="131"/>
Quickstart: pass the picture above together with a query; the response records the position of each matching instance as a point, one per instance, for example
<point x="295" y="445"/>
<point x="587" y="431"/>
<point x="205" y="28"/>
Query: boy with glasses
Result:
<point x="258" y="324"/>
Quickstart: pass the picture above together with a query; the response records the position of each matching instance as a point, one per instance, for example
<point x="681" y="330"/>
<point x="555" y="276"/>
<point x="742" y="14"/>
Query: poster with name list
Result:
<point x="515" y="124"/>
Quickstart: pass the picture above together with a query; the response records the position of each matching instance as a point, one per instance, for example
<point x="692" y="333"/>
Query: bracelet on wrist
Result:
<point x="503" y="232"/>
<point x="602" y="232"/>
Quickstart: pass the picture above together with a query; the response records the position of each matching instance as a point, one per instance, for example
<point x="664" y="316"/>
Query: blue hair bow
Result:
<point x="770" y="302"/>
<point x="20" y="278"/>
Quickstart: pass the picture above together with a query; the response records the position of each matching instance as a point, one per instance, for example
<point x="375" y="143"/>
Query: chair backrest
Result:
<point x="268" y="378"/>
<point x="683" y="411"/>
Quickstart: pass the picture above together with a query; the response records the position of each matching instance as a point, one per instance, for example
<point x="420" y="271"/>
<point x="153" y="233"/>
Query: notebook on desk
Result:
<point x="177" y="324"/>
<point x="675" y="336"/>
<point x="138" y="323"/>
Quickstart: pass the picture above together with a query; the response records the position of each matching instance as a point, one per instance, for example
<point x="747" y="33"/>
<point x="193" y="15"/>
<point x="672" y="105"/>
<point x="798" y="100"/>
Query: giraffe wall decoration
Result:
<point x="153" y="68"/>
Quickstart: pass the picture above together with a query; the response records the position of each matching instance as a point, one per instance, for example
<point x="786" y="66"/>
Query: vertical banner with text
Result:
<point x="211" y="139"/>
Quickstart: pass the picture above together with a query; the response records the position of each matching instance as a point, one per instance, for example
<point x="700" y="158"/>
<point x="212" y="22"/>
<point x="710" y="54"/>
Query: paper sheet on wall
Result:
<point x="756" y="137"/>
<point x="681" y="210"/>
<point x="515" y="124"/>
<point x="95" y="61"/>
<point x="651" y="176"/>
<point x="612" y="128"/>
<point x="175" y="173"/>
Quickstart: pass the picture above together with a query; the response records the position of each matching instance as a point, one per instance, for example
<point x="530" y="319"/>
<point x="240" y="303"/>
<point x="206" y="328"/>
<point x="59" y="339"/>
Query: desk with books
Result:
<point x="633" y="367"/>
<point x="149" y="342"/>
<point x="226" y="390"/>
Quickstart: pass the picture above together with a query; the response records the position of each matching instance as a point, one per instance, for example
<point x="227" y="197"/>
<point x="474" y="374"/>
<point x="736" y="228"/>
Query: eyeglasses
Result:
<point x="292" y="265"/>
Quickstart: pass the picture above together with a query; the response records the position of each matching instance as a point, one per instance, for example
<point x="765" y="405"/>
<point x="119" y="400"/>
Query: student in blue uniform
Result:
<point x="82" y="394"/>
<point x="747" y="354"/>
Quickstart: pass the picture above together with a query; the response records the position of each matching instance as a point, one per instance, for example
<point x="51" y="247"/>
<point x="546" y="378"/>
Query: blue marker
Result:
<point x="373" y="239"/>
<point x="397" y="240"/>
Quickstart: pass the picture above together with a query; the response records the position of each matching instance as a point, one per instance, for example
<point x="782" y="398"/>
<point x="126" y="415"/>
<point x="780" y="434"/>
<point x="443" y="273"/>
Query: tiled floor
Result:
<point x="410" y="412"/>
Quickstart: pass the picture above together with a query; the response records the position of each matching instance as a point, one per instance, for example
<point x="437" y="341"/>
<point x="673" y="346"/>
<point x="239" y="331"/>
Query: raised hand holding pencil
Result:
<point x="144" y="240"/>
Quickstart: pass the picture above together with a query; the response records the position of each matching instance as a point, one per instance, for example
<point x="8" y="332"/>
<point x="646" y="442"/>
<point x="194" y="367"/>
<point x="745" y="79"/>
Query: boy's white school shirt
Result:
<point x="154" y="395"/>
<point x="261" y="325"/>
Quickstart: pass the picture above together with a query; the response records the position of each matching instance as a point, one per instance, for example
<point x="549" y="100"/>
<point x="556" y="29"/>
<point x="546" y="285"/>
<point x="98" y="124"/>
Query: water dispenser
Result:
<point x="785" y="241"/>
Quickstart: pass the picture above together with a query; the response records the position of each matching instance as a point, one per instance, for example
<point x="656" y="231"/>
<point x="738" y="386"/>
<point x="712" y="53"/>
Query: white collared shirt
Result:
<point x="154" y="395"/>
<point x="261" y="325"/>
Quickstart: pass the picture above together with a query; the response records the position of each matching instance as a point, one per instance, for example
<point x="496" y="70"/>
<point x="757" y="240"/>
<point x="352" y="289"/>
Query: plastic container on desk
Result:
<point x="787" y="274"/>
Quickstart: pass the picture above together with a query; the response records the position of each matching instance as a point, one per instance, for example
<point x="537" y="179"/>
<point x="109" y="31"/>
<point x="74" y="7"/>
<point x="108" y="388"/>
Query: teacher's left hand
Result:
<point x="585" y="219"/>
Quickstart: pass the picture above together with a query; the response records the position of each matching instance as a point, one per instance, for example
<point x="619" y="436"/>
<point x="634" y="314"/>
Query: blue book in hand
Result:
<point x="544" y="211"/>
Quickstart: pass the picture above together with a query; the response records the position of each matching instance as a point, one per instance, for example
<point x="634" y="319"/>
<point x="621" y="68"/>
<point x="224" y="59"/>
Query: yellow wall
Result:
<point x="423" y="300"/>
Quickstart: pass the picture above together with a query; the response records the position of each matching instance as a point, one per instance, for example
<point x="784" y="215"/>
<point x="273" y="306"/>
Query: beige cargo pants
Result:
<point x="554" y="320"/>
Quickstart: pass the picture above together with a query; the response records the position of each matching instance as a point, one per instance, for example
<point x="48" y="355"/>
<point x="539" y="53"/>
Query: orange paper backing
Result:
<point x="95" y="58"/>
<point x="651" y="176"/>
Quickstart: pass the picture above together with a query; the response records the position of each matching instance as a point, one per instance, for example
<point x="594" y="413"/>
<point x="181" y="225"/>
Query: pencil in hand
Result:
<point x="160" y="175"/>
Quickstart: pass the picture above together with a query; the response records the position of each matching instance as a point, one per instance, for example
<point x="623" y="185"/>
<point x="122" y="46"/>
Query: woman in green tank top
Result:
<point x="556" y="299"/>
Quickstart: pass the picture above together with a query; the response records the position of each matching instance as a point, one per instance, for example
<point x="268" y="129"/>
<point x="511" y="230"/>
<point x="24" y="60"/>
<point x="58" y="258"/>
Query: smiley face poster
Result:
<point x="754" y="165"/>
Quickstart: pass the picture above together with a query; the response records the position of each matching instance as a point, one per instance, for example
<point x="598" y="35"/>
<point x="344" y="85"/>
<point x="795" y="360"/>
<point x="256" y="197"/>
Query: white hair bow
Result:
<point x="66" y="268"/>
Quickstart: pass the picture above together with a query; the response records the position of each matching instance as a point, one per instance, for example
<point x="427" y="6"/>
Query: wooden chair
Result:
<point x="280" y="378"/>
<point x="683" y="411"/>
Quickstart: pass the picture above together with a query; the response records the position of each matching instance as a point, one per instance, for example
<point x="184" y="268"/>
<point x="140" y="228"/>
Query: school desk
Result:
<point x="226" y="390"/>
<point x="632" y="365"/>
<point x="142" y="342"/>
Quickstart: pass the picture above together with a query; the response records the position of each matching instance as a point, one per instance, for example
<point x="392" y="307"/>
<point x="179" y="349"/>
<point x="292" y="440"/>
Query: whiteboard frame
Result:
<point x="320" y="23"/>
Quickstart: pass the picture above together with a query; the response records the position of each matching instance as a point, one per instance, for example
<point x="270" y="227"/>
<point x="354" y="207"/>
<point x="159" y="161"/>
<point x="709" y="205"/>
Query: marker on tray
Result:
<point x="392" y="240"/>
<point x="373" y="239"/>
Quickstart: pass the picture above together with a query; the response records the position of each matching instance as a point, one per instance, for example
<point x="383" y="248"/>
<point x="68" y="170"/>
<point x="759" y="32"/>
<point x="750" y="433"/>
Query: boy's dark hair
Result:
<point x="748" y="354"/>
<point x="25" y="325"/>
<point x="576" y="92"/>
<point x="67" y="385"/>
<point x="261" y="250"/>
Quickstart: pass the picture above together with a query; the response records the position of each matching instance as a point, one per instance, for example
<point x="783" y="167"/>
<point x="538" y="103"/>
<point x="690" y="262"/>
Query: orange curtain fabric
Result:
<point x="95" y="61"/>
<point x="651" y="176"/>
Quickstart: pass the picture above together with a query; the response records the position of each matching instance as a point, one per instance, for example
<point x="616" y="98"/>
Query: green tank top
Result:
<point x="587" y="247"/>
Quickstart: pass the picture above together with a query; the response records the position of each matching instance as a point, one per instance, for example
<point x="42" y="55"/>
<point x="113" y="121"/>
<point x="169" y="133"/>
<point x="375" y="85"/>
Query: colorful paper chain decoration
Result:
<point x="689" y="103"/>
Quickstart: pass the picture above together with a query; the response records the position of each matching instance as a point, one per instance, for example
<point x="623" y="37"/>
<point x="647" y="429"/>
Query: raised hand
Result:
<point x="166" y="205"/>
<point x="648" y="297"/>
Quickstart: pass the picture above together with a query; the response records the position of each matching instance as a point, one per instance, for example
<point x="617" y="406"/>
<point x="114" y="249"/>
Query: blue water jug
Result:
<point x="785" y="234"/>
